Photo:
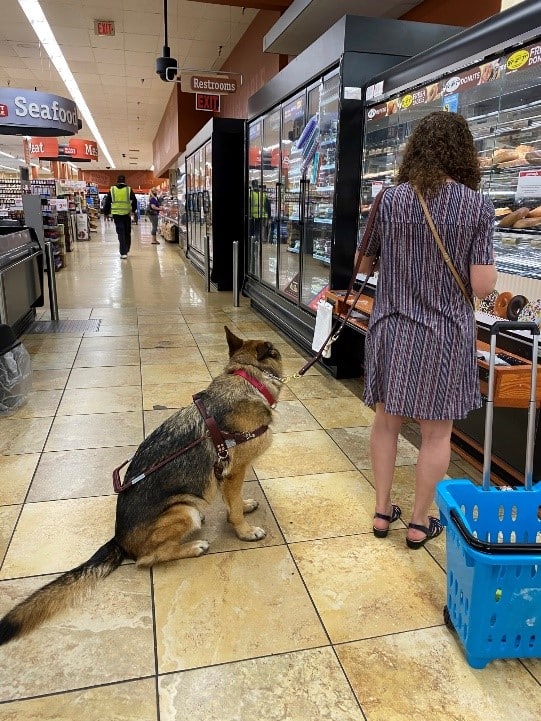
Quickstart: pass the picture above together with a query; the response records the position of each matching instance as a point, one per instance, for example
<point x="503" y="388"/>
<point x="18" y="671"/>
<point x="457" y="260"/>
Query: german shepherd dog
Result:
<point x="155" y="514"/>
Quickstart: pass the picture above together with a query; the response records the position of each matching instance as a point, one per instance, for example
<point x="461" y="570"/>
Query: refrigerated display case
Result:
<point x="304" y="141"/>
<point x="490" y="74"/>
<point x="214" y="170"/>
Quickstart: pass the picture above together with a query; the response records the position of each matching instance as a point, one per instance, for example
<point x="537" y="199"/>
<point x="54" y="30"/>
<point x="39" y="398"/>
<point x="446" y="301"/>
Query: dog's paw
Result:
<point x="249" y="505"/>
<point x="200" y="547"/>
<point x="253" y="533"/>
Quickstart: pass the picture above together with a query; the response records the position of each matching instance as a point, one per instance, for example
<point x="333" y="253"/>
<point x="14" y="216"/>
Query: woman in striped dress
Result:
<point x="420" y="348"/>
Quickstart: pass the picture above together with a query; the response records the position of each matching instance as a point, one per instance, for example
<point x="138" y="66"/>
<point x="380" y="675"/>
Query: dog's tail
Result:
<point x="64" y="591"/>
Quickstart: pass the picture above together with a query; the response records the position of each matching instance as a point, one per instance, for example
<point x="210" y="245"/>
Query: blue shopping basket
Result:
<point x="493" y="548"/>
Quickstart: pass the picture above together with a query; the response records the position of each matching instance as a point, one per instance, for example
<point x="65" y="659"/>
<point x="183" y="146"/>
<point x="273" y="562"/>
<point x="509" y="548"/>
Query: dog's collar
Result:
<point x="257" y="385"/>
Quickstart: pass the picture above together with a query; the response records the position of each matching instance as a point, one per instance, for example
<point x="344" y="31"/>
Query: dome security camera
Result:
<point x="166" y="66"/>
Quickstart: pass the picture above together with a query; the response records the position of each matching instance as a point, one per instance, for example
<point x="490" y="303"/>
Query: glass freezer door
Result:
<point x="293" y="122"/>
<point x="272" y="232"/>
<point x="254" y="183"/>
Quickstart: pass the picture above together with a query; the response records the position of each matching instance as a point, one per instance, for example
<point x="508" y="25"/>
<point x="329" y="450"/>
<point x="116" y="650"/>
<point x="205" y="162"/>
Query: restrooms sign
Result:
<point x="29" y="112"/>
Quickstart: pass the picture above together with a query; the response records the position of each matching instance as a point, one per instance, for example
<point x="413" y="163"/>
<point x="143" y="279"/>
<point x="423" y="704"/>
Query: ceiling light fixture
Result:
<point x="36" y="18"/>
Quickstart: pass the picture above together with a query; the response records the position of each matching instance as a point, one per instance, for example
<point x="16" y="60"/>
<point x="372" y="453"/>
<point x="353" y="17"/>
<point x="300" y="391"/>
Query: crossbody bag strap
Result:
<point x="444" y="253"/>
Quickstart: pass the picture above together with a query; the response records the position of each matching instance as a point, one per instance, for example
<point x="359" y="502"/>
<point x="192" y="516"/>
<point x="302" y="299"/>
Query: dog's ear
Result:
<point x="266" y="350"/>
<point x="233" y="342"/>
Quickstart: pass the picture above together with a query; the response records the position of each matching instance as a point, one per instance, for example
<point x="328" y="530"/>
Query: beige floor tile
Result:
<point x="534" y="667"/>
<point x="49" y="380"/>
<point x="293" y="365"/>
<point x="158" y="356"/>
<point x="113" y="330"/>
<point x="118" y="399"/>
<point x="91" y="359"/>
<point x="160" y="319"/>
<point x="115" y="315"/>
<point x="355" y="442"/>
<point x="301" y="453"/>
<point x="53" y="536"/>
<point x="340" y="413"/>
<point x="104" y="377"/>
<point x="166" y="340"/>
<point x="318" y="387"/>
<point x="259" y="594"/>
<point x="8" y="519"/>
<point x="106" y="639"/>
<point x="169" y="373"/>
<point x="95" y="430"/>
<point x="364" y="586"/>
<point x="50" y="343"/>
<point x="153" y="419"/>
<point x="76" y="474"/>
<point x="40" y="404"/>
<point x="53" y="361"/>
<point x="165" y="328"/>
<point x="423" y="675"/>
<point x="23" y="435"/>
<point x="16" y="473"/>
<point x="169" y="395"/>
<point x="221" y="535"/>
<point x="321" y="506"/>
<point x="293" y="416"/>
<point x="305" y="686"/>
<point x="125" y="342"/>
<point x="128" y="701"/>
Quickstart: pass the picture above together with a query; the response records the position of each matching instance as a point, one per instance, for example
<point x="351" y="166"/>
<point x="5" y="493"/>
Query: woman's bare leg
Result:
<point x="432" y="465"/>
<point x="383" y="444"/>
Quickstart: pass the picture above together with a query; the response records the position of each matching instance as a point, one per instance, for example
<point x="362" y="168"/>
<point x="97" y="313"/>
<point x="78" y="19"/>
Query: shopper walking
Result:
<point x="421" y="343"/>
<point x="153" y="214"/>
<point x="121" y="202"/>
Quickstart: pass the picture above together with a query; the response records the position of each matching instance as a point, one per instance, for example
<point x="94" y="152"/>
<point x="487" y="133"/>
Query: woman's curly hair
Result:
<point x="440" y="147"/>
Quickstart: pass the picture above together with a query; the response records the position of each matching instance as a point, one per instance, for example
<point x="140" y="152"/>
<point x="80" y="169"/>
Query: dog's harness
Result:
<point x="222" y="440"/>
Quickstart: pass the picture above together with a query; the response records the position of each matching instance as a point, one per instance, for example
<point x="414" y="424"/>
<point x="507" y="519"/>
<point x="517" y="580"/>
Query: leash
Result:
<point x="341" y="321"/>
<point x="222" y="440"/>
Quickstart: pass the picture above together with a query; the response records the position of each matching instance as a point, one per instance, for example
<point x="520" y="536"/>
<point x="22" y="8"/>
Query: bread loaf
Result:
<point x="534" y="157"/>
<point x="509" y="220"/>
<point x="527" y="223"/>
<point x="502" y="211"/>
<point x="523" y="149"/>
<point x="504" y="155"/>
<point x="513" y="163"/>
<point x="535" y="212"/>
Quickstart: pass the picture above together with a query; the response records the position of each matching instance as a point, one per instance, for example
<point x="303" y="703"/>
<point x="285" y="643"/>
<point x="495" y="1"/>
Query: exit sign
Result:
<point x="104" y="27"/>
<point x="210" y="103"/>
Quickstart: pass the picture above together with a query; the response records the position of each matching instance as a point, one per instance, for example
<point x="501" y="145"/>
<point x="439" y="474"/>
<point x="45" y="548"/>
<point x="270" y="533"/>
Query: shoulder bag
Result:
<point x="444" y="253"/>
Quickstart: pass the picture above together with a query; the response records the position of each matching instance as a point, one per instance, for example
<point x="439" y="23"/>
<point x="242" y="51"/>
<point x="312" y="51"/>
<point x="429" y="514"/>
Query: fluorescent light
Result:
<point x="36" y="18"/>
<point x="8" y="155"/>
<point x="7" y="167"/>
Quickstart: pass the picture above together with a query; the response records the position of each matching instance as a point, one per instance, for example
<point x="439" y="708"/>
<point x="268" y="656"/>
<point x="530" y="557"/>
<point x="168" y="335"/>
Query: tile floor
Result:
<point x="319" y="620"/>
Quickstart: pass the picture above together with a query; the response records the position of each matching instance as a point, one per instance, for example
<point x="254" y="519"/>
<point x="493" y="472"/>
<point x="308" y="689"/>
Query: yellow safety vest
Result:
<point x="258" y="207"/>
<point x="120" y="200"/>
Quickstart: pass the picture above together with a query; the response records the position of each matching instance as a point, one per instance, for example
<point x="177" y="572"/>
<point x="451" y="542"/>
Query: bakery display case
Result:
<point x="304" y="140"/>
<point x="491" y="74"/>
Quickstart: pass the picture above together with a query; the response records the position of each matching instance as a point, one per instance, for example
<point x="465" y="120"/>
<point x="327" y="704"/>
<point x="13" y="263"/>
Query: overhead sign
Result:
<point x="208" y="83"/>
<point x="43" y="148"/>
<point x="29" y="112"/>
<point x="85" y="150"/>
<point x="210" y="103"/>
<point x="104" y="27"/>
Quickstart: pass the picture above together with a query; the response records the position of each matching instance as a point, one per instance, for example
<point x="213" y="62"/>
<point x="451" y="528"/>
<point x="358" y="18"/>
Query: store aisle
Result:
<point x="319" y="620"/>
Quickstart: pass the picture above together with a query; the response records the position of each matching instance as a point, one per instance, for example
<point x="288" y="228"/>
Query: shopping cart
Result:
<point x="494" y="547"/>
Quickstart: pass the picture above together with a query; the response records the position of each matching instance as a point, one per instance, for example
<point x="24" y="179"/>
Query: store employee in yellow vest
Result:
<point x="121" y="202"/>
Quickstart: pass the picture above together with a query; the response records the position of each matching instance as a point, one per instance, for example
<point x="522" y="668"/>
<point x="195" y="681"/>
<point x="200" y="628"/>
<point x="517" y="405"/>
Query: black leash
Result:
<point x="342" y="320"/>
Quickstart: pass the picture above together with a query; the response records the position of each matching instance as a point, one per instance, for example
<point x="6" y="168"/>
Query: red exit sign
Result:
<point x="104" y="27"/>
<point x="210" y="103"/>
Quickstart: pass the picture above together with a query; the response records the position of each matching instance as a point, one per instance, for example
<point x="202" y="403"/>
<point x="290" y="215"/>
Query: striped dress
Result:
<point x="420" y="352"/>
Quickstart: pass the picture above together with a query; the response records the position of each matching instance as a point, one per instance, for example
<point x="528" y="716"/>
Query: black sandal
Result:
<point x="433" y="531"/>
<point x="396" y="512"/>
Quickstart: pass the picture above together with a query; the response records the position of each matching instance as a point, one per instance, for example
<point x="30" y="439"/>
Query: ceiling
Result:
<point x="116" y="75"/>
<point x="301" y="24"/>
